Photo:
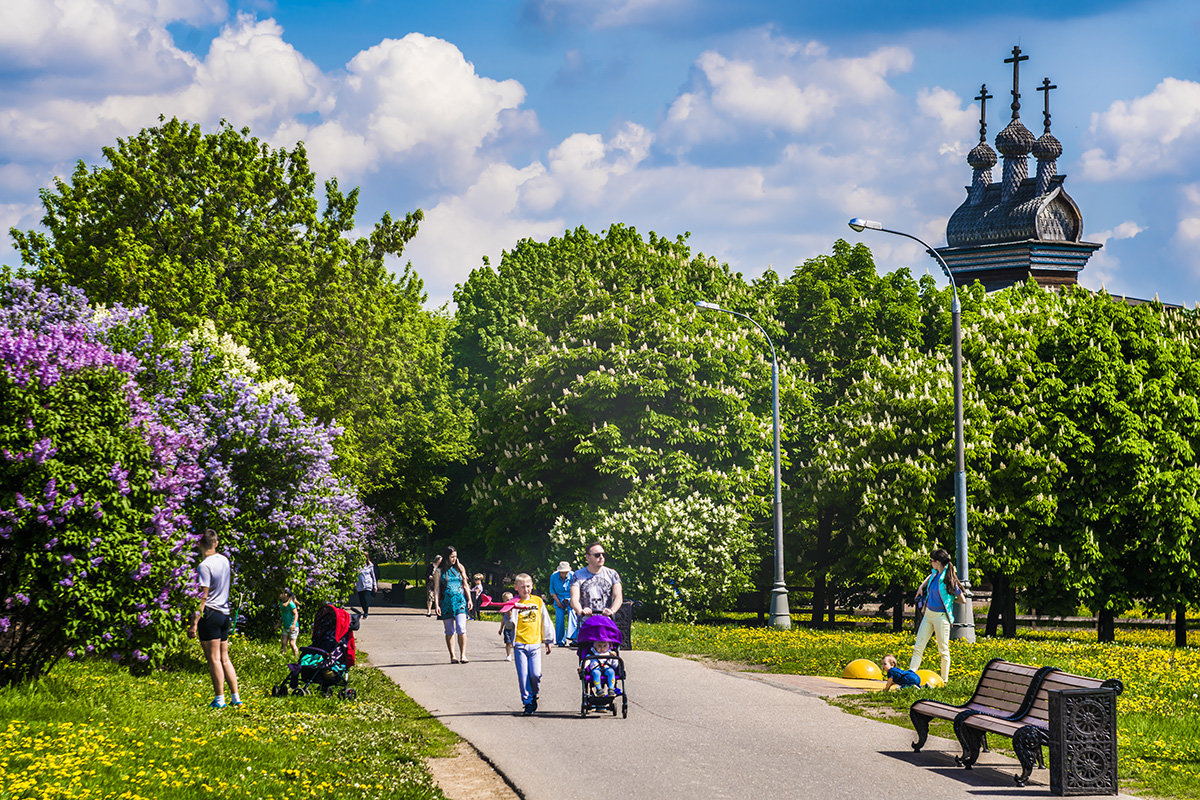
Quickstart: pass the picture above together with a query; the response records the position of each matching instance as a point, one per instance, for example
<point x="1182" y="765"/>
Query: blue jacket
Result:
<point x="561" y="589"/>
<point x="934" y="583"/>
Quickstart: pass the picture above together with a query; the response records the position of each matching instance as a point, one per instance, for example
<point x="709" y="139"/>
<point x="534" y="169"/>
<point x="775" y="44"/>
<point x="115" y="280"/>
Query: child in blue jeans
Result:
<point x="508" y="628"/>
<point x="600" y="670"/>
<point x="897" y="677"/>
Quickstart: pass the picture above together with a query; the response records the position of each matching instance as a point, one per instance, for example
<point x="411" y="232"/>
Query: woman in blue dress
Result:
<point x="452" y="602"/>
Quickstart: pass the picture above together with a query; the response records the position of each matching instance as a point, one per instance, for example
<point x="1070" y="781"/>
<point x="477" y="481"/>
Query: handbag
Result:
<point x="919" y="613"/>
<point x="548" y="633"/>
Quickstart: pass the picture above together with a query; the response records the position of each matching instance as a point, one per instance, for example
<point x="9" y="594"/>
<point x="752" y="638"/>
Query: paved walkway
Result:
<point x="692" y="731"/>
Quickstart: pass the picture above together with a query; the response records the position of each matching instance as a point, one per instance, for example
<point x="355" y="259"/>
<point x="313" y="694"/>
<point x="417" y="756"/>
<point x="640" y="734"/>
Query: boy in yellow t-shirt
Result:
<point x="527" y="647"/>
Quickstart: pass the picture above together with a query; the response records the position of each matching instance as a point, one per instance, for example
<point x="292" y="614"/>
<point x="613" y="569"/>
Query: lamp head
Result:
<point x="860" y="225"/>
<point x="708" y="305"/>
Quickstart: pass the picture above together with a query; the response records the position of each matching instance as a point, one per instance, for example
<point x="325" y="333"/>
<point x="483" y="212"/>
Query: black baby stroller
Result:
<point x="326" y="662"/>
<point x="595" y="629"/>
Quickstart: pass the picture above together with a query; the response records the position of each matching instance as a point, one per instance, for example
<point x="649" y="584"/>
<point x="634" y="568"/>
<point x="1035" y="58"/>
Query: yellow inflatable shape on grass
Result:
<point x="863" y="669"/>
<point x="930" y="678"/>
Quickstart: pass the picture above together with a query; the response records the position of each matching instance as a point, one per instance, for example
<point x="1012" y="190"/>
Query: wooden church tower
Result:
<point x="1020" y="227"/>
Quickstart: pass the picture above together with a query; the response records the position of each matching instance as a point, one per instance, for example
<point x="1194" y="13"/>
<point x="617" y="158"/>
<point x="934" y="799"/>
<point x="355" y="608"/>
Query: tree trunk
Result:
<point x="993" y="617"/>
<point x="1009" y="610"/>
<point x="832" y="608"/>
<point x="1002" y="613"/>
<point x="1181" y="625"/>
<point x="897" y="594"/>
<point x="1106" y="629"/>
<point x="821" y="569"/>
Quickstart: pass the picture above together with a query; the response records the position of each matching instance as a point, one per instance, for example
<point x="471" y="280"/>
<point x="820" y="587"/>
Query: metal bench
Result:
<point x="1074" y="715"/>
<point x="1005" y="689"/>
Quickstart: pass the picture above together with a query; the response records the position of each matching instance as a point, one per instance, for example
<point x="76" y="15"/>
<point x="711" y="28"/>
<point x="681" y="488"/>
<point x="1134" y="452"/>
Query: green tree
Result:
<point x="679" y="557"/>
<point x="594" y="372"/>
<point x="839" y="317"/>
<point x="222" y="227"/>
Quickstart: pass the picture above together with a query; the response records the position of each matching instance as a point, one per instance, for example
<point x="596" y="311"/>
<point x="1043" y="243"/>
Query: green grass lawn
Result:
<point x="1158" y="729"/>
<point x="91" y="730"/>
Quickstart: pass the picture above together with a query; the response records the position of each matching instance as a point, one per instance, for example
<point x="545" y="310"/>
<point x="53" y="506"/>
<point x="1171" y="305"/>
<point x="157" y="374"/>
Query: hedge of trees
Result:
<point x="597" y="382"/>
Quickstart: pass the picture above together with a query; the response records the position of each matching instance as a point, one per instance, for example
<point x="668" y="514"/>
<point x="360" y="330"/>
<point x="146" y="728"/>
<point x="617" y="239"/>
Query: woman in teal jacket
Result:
<point x="941" y="586"/>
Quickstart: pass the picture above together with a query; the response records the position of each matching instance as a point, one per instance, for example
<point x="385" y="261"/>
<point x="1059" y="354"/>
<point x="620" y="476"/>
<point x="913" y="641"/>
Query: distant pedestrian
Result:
<point x="429" y="593"/>
<point x="940" y="588"/>
<point x="476" y="593"/>
<point x="508" y="628"/>
<point x="527" y="649"/>
<point x="596" y="588"/>
<point x="365" y="585"/>
<point x="289" y="623"/>
<point x="452" y="600"/>
<point x="211" y="624"/>
<point x="560" y="595"/>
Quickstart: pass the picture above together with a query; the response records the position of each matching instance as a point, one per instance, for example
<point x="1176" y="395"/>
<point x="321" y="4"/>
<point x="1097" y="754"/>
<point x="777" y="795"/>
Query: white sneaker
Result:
<point x="508" y="658"/>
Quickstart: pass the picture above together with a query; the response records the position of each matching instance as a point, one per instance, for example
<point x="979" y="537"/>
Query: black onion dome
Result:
<point x="1047" y="148"/>
<point x="982" y="156"/>
<point x="1015" y="139"/>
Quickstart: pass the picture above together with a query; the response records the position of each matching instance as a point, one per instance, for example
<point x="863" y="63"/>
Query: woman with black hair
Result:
<point x="452" y="599"/>
<point x="940" y="587"/>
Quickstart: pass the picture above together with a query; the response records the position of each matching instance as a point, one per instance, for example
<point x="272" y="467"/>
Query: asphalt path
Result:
<point x="692" y="731"/>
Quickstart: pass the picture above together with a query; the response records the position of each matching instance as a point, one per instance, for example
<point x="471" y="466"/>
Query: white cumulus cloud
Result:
<point x="86" y="47"/>
<point x="1155" y="134"/>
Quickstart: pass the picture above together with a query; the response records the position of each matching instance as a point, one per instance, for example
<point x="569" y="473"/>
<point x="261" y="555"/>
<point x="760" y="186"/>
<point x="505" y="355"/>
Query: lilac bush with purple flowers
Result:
<point x="93" y="535"/>
<point x="218" y="449"/>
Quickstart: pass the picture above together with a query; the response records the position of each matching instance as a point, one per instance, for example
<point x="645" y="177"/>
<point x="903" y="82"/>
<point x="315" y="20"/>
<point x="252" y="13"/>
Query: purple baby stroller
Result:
<point x="598" y="628"/>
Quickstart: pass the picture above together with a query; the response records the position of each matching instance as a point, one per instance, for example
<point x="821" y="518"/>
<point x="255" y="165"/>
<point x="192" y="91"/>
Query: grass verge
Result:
<point x="91" y="730"/>
<point x="1158" y="727"/>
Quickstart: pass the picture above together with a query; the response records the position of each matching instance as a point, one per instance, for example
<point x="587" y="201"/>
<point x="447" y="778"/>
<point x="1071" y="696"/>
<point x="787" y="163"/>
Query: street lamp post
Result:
<point x="781" y="617"/>
<point x="964" y="612"/>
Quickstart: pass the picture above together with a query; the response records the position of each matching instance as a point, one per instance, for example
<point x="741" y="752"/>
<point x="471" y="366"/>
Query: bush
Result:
<point x="677" y="556"/>
<point x="260" y="470"/>
<point x="94" y="544"/>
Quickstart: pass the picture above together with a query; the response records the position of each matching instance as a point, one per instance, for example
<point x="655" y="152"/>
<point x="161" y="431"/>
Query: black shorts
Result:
<point x="213" y="625"/>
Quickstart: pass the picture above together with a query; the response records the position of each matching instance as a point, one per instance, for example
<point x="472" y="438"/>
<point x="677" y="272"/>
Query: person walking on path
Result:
<point x="452" y="600"/>
<point x="429" y="593"/>
<point x="211" y="624"/>
<point x="477" y="594"/>
<point x="365" y="585"/>
<point x="527" y="647"/>
<point x="508" y="628"/>
<point x="596" y="589"/>
<point x="560" y="596"/>
<point x="289" y="623"/>
<point x="940" y="588"/>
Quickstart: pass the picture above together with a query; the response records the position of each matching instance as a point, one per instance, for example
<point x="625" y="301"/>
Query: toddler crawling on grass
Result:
<point x="896" y="677"/>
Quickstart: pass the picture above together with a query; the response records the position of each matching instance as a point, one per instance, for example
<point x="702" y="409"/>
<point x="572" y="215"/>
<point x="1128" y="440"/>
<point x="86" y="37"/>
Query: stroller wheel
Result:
<point x="302" y="691"/>
<point x="349" y="694"/>
<point x="583" y="707"/>
<point x="624" y="707"/>
<point x="279" y="691"/>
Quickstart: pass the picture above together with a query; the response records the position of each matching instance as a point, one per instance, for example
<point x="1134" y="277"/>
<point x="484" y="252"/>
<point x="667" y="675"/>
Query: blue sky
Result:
<point x="759" y="126"/>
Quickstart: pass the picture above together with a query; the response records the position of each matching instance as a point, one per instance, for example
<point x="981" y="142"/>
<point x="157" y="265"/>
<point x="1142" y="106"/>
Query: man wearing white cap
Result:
<point x="560" y="594"/>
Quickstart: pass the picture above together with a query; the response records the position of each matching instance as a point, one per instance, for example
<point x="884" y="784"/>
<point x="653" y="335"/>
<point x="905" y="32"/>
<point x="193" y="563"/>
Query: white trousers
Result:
<point x="934" y="623"/>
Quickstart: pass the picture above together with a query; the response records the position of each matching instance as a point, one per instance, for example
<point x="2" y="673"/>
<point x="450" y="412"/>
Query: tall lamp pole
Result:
<point x="964" y="612"/>
<point x="781" y="617"/>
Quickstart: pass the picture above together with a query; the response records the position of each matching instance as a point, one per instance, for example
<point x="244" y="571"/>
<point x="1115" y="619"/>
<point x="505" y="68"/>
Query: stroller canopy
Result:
<point x="332" y="627"/>
<point x="599" y="628"/>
